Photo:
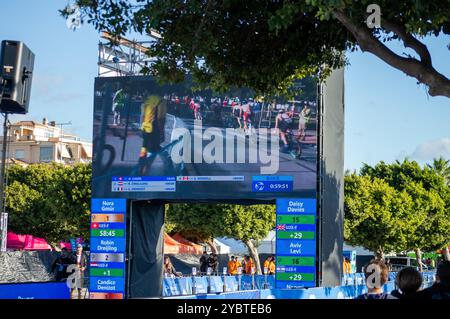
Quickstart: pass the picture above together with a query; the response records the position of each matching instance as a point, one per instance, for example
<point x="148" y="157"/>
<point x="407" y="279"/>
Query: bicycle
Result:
<point x="108" y="150"/>
<point x="145" y="163"/>
<point x="293" y="147"/>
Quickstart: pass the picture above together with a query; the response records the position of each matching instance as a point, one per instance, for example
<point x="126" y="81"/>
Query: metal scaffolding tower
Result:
<point x="118" y="56"/>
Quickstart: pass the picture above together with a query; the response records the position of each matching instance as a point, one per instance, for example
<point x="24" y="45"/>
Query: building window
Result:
<point x="46" y="154"/>
<point x="19" y="154"/>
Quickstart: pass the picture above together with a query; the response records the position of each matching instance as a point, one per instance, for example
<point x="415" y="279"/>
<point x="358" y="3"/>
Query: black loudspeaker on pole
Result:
<point x="16" y="70"/>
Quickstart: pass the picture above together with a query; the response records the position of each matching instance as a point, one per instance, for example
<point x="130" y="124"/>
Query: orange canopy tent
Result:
<point x="195" y="248"/>
<point x="172" y="246"/>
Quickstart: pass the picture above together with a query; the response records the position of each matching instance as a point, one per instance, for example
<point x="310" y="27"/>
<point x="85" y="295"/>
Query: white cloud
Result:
<point x="432" y="149"/>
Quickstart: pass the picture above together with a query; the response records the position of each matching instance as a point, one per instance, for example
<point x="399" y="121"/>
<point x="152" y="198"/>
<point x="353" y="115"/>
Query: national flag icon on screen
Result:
<point x="281" y="227"/>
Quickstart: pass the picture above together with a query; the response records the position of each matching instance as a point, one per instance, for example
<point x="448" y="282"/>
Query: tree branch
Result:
<point x="408" y="40"/>
<point x="424" y="72"/>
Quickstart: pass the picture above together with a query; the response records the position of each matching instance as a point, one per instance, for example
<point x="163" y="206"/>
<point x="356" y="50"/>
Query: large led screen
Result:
<point x="175" y="142"/>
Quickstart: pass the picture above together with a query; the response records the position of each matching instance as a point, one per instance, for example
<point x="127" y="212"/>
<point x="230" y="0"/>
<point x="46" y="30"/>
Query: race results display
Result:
<point x="108" y="247"/>
<point x="295" y="243"/>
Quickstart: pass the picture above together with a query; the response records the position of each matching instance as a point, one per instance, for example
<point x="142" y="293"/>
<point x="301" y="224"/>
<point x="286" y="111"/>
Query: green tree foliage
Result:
<point x="397" y="207"/>
<point x="49" y="200"/>
<point x="265" y="45"/>
<point x="375" y="214"/>
<point x="442" y="168"/>
<point x="246" y="223"/>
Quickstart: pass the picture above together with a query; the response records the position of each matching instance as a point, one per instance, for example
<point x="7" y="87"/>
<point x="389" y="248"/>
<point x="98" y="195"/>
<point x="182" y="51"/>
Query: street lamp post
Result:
<point x="3" y="213"/>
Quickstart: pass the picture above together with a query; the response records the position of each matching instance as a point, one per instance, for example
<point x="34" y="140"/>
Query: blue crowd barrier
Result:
<point x="355" y="279"/>
<point x="215" y="284"/>
<point x="247" y="294"/>
<point x="44" y="290"/>
<point x="185" y="285"/>
<point x="200" y="284"/>
<point x="355" y="286"/>
<point x="265" y="282"/>
<point x="358" y="278"/>
<point x="247" y="283"/>
<point x="231" y="283"/>
<point x="170" y="287"/>
<point x="341" y="292"/>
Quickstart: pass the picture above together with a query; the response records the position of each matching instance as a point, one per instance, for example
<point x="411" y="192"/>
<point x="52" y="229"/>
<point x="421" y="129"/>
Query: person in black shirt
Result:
<point x="61" y="263"/>
<point x="204" y="262"/>
<point x="213" y="262"/>
<point x="441" y="288"/>
<point x="408" y="282"/>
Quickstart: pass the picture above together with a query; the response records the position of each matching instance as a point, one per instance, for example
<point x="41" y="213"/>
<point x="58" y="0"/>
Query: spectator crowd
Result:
<point x="408" y="282"/>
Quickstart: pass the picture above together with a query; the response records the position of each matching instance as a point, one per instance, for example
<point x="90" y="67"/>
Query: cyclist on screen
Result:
<point x="283" y="121"/>
<point x="152" y="125"/>
<point x="246" y="112"/>
<point x="118" y="106"/>
<point x="303" y="118"/>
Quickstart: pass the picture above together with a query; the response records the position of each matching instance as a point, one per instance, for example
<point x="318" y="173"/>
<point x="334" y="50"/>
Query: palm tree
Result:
<point x="442" y="168"/>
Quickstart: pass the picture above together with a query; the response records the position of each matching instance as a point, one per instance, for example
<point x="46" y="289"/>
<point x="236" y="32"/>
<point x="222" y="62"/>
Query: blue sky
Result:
<point x="388" y="116"/>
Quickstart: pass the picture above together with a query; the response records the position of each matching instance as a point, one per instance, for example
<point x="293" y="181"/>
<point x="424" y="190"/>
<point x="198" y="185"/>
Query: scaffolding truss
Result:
<point x="118" y="56"/>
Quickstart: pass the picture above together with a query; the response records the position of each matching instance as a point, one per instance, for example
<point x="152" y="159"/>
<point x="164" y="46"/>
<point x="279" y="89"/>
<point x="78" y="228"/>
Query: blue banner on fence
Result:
<point x="170" y="287"/>
<point x="200" y="285"/>
<point x="185" y="285"/>
<point x="215" y="284"/>
<point x="47" y="290"/>
<point x="231" y="283"/>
